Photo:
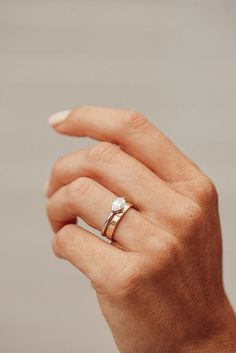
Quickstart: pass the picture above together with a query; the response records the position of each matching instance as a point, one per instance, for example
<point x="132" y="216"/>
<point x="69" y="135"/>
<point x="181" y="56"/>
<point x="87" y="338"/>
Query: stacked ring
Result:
<point x="119" y="208"/>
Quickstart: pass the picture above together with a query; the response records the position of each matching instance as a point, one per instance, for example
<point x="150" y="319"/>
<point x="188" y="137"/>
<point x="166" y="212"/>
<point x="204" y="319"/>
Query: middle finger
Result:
<point x="117" y="171"/>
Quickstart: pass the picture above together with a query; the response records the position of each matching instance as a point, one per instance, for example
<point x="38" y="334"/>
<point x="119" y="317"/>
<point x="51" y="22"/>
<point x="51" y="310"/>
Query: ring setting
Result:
<point x="118" y="204"/>
<point x="118" y="209"/>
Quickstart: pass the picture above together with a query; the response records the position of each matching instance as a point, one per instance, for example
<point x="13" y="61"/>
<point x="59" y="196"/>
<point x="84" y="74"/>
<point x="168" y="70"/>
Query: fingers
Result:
<point x="134" y="133"/>
<point x="123" y="175"/>
<point x="113" y="168"/>
<point x="92" y="202"/>
<point x="87" y="252"/>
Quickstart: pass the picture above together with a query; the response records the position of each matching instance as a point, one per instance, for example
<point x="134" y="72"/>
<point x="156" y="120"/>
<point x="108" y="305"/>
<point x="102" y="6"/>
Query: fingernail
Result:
<point x="58" y="118"/>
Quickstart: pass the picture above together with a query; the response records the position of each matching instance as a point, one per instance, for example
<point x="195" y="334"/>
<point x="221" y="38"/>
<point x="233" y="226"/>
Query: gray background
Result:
<point x="172" y="60"/>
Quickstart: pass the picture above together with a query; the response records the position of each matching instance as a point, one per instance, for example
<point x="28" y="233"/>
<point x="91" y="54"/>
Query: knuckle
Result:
<point x="79" y="188"/>
<point x="191" y="216"/>
<point x="173" y="248"/>
<point x="208" y="190"/>
<point x="104" y="151"/>
<point x="59" y="167"/>
<point x="193" y="212"/>
<point x="155" y="265"/>
<point x="128" y="285"/>
<point x="130" y="279"/>
<point x="135" y="120"/>
<point x="62" y="241"/>
<point x="126" y="281"/>
<point x="169" y="255"/>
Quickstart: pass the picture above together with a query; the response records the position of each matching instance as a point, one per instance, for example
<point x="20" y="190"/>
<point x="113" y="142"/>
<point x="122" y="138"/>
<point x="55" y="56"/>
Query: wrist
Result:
<point x="220" y="337"/>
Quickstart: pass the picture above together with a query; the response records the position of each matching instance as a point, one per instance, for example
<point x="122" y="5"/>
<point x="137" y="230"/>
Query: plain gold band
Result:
<point x="113" y="222"/>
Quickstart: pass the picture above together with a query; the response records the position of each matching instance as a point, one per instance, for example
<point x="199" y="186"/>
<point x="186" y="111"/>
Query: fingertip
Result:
<point x="57" y="118"/>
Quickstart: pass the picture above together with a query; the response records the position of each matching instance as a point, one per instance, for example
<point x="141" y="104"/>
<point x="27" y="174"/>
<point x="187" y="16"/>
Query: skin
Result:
<point x="159" y="283"/>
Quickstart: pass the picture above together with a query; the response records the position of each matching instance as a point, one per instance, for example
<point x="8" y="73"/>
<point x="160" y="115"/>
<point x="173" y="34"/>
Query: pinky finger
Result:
<point x="94" y="257"/>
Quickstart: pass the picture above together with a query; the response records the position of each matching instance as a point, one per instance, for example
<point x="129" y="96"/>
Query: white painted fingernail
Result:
<point x="58" y="118"/>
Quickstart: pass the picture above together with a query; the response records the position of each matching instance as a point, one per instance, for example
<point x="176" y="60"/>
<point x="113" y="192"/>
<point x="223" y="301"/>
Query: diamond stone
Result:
<point x="118" y="204"/>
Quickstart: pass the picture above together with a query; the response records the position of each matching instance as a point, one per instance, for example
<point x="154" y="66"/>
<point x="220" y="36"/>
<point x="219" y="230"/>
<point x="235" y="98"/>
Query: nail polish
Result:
<point x="58" y="118"/>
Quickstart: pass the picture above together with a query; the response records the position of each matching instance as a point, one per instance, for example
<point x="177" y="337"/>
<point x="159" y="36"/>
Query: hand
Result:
<point x="159" y="283"/>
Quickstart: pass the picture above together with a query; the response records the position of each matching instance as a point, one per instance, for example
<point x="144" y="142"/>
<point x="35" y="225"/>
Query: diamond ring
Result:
<point x="119" y="208"/>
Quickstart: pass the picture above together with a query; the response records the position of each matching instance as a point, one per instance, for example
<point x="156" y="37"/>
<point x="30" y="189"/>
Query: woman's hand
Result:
<point x="159" y="283"/>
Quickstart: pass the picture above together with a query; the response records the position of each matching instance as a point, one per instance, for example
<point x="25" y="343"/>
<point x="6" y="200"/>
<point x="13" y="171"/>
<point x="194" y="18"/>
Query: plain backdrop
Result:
<point x="174" y="61"/>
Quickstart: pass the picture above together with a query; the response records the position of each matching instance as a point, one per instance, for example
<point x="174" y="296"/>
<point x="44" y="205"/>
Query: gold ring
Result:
<point x="119" y="208"/>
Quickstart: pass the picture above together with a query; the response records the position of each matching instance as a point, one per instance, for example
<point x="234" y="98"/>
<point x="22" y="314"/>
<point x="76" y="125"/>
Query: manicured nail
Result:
<point x="58" y="118"/>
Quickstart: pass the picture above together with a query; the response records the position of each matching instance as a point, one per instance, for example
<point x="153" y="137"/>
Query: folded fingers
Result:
<point x="122" y="175"/>
<point x="113" y="168"/>
<point x="134" y="133"/>
<point x="90" y="201"/>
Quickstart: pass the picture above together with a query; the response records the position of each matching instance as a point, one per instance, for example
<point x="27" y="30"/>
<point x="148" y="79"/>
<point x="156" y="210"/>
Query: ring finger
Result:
<point x="119" y="172"/>
<point x="91" y="201"/>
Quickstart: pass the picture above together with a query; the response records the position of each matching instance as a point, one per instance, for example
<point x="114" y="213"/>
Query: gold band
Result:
<point x="105" y="225"/>
<point x="113" y="220"/>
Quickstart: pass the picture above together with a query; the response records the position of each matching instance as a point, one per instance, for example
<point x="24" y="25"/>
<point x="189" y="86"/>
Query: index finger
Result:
<point x="134" y="133"/>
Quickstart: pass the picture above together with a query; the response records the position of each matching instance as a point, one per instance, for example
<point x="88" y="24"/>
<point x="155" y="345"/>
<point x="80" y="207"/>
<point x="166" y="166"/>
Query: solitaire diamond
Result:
<point x="118" y="204"/>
